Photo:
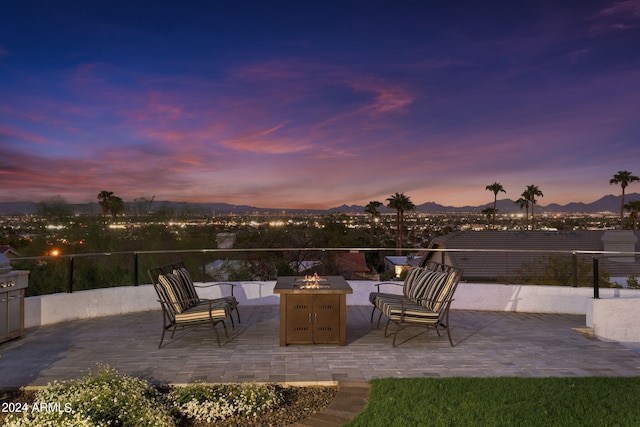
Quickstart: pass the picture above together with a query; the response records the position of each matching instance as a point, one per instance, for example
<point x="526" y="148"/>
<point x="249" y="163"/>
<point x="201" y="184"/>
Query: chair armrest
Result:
<point x="181" y="301"/>
<point x="377" y="285"/>
<point x="433" y="300"/>
<point x="231" y="285"/>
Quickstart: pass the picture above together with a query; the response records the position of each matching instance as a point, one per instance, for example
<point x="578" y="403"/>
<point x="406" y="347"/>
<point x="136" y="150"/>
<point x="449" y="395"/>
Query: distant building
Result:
<point x="350" y="265"/>
<point x="8" y="251"/>
<point x="503" y="261"/>
<point x="353" y="266"/>
<point x="400" y="263"/>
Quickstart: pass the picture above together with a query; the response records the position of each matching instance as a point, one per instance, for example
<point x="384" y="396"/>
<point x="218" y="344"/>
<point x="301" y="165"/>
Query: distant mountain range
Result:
<point x="608" y="203"/>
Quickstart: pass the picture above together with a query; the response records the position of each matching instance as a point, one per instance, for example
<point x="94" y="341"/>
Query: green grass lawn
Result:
<point x="589" y="401"/>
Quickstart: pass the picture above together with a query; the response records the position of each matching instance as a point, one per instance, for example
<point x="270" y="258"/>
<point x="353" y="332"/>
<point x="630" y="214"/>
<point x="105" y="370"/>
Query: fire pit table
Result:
<point x="313" y="309"/>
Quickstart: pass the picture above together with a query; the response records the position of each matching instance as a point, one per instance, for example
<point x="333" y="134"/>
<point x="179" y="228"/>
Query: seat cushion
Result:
<point x="373" y="296"/>
<point x="413" y="313"/>
<point x="200" y="312"/>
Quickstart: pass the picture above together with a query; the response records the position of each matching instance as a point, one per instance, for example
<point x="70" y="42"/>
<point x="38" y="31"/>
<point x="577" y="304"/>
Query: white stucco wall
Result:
<point x="613" y="316"/>
<point x="615" y="319"/>
<point x="55" y="308"/>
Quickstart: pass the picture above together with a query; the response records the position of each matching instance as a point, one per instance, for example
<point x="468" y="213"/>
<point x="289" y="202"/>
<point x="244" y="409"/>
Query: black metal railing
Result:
<point x="108" y="269"/>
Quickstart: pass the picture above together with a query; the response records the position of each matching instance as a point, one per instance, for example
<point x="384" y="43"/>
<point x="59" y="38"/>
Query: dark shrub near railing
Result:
<point x="74" y="272"/>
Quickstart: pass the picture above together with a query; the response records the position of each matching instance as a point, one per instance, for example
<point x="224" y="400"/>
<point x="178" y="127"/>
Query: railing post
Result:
<point x="70" y="282"/>
<point x="596" y="279"/>
<point x="135" y="269"/>
<point x="575" y="270"/>
<point x="203" y="272"/>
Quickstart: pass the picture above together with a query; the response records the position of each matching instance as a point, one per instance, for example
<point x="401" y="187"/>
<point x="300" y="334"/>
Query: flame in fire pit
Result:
<point x="312" y="282"/>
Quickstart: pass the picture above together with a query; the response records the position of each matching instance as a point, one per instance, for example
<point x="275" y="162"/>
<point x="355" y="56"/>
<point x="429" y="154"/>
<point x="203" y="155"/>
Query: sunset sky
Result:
<point x="314" y="104"/>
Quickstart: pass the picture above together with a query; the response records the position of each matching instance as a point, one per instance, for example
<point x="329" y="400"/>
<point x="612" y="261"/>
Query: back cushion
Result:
<point x="409" y="278"/>
<point x="172" y="292"/>
<point x="187" y="282"/>
<point x="438" y="292"/>
<point x="424" y="282"/>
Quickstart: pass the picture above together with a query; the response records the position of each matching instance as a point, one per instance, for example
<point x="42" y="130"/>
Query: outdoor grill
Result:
<point x="12" y="286"/>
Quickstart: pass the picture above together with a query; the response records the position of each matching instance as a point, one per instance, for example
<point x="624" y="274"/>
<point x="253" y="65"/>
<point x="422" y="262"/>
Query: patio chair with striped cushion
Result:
<point x="409" y="287"/>
<point x="187" y="281"/>
<point x="427" y="305"/>
<point x="181" y="306"/>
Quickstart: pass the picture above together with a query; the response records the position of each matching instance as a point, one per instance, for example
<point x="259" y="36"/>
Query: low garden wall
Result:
<point x="613" y="316"/>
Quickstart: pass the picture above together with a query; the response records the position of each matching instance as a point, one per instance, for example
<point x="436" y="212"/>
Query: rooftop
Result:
<point x="525" y="246"/>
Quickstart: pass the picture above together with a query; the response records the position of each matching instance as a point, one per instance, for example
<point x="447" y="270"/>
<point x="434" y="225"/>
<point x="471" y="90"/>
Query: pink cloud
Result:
<point x="23" y="135"/>
<point x="293" y="80"/>
<point x="622" y="15"/>
<point x="385" y="99"/>
<point x="262" y="142"/>
<point x="389" y="99"/>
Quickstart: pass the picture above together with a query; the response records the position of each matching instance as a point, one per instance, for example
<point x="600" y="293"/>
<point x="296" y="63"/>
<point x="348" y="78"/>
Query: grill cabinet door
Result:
<point x="15" y="307"/>
<point x="4" y="299"/>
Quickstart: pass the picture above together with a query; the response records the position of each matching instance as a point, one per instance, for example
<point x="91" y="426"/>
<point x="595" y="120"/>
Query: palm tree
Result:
<point x="372" y="209"/>
<point x="623" y="178"/>
<point x="633" y="207"/>
<point x="116" y="206"/>
<point x="400" y="203"/>
<point x="523" y="203"/>
<point x="110" y="203"/>
<point x="104" y="200"/>
<point x="530" y="194"/>
<point x="489" y="213"/>
<point x="496" y="188"/>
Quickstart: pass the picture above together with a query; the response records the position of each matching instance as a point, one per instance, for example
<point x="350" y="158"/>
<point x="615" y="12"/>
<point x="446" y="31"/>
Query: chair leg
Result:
<point x="386" y="327"/>
<point x="393" y="344"/>
<point x="224" y="325"/>
<point x="237" y="313"/>
<point x="164" y="329"/>
<point x="372" y="312"/>
<point x="449" y="335"/>
<point x="217" y="334"/>
<point x="233" y="324"/>
<point x="379" y="318"/>
<point x="446" y="324"/>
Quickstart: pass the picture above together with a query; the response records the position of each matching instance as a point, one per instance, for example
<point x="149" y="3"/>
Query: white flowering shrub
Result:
<point x="101" y="398"/>
<point x="206" y="403"/>
<point x="106" y="398"/>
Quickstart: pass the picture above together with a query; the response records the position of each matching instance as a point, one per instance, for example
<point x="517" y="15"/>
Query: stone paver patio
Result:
<point x="487" y="344"/>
